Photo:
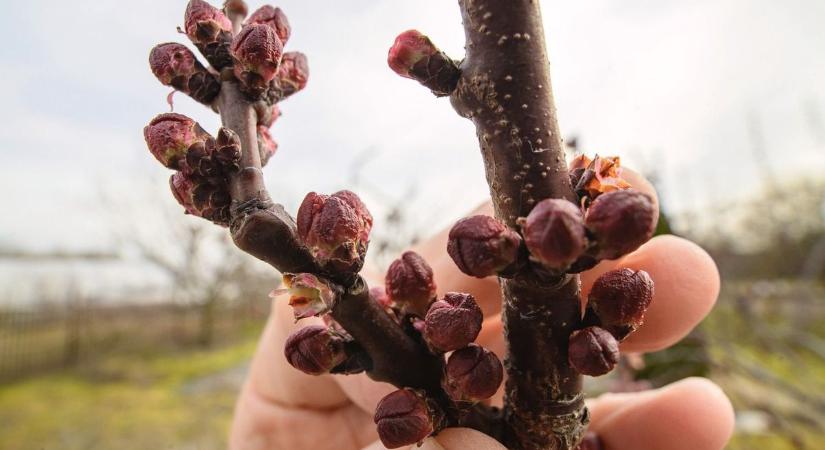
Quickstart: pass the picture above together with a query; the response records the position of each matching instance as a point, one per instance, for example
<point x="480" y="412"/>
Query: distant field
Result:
<point x="764" y="344"/>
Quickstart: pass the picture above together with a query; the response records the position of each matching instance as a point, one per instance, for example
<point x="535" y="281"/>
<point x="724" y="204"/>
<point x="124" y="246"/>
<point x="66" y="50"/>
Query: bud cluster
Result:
<point x="176" y="66"/>
<point x="202" y="162"/>
<point x="336" y="229"/>
<point x="613" y="220"/>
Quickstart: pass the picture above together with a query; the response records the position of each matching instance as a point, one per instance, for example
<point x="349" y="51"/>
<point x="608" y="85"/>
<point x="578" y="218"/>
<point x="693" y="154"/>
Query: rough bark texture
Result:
<point x="505" y="90"/>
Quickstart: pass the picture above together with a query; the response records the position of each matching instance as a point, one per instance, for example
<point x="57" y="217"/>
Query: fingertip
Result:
<point x="690" y="414"/>
<point x="686" y="286"/>
<point x="460" y="439"/>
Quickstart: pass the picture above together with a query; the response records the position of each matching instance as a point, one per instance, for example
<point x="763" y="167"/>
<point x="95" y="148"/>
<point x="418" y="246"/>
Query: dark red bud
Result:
<point x="267" y="147"/>
<point x="620" y="298"/>
<point x="554" y="233"/>
<point x="257" y="51"/>
<point x="335" y="228"/>
<point x="621" y="221"/>
<point x="175" y="65"/>
<point x="274" y="18"/>
<point x="410" y="282"/>
<point x="593" y="351"/>
<point x="403" y="418"/>
<point x="170" y="135"/>
<point x="203" y="22"/>
<point x="473" y="374"/>
<point x="453" y="322"/>
<point x="314" y="350"/>
<point x="482" y="246"/>
<point x="201" y="198"/>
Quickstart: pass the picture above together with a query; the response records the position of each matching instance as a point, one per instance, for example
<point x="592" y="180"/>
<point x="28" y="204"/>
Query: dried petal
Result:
<point x="309" y="295"/>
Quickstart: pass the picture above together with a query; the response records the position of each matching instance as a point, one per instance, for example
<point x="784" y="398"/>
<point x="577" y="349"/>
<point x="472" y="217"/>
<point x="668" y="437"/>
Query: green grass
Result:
<point x="126" y="402"/>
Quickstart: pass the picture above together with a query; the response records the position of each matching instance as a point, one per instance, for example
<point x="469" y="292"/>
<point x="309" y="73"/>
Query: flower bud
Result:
<point x="482" y="246"/>
<point x="473" y="374"/>
<point x="620" y="298"/>
<point x="414" y="56"/>
<point x="336" y="229"/>
<point x="175" y="65"/>
<point x="621" y="221"/>
<point x="267" y="147"/>
<point x="410" y="282"/>
<point x="314" y="350"/>
<point x="292" y="74"/>
<point x="554" y="233"/>
<point x="227" y="152"/>
<point x="453" y="322"/>
<point x="403" y="418"/>
<point x="593" y="351"/>
<point x="170" y="135"/>
<point x="309" y="295"/>
<point x="257" y="52"/>
<point x="210" y="30"/>
<point x="274" y="18"/>
<point x="201" y="198"/>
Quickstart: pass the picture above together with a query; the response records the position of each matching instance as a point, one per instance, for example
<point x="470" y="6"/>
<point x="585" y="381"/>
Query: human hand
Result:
<point x="282" y="408"/>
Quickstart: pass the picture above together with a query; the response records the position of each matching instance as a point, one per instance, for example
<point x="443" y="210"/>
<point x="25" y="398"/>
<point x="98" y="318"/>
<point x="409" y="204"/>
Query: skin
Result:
<point x="281" y="408"/>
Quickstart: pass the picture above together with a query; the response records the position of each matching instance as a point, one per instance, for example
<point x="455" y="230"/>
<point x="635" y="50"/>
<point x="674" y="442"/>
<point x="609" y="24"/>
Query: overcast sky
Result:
<point x="691" y="89"/>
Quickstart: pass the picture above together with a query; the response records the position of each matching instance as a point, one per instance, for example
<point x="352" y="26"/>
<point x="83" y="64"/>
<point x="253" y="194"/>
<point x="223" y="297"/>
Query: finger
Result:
<point x="686" y="285"/>
<point x="686" y="415"/>
<point x="461" y="439"/>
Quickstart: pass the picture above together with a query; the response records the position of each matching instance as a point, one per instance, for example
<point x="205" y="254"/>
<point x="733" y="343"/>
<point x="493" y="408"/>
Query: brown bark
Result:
<point x="505" y="90"/>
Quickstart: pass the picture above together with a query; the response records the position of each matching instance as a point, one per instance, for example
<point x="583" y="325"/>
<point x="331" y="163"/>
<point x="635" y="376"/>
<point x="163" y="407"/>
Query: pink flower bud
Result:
<point x="175" y="65"/>
<point x="293" y="73"/>
<point x="414" y="56"/>
<point x="473" y="374"/>
<point x="314" y="350"/>
<point x="620" y="298"/>
<point x="274" y="18"/>
<point x="201" y="198"/>
<point x="267" y="147"/>
<point x="621" y="221"/>
<point x="403" y="418"/>
<point x="309" y="295"/>
<point x="554" y="233"/>
<point x="593" y="351"/>
<point x="410" y="282"/>
<point x="170" y="135"/>
<point x="336" y="229"/>
<point x="482" y="246"/>
<point x="257" y="51"/>
<point x="210" y="30"/>
<point x="453" y="322"/>
<point x="409" y="48"/>
<point x="203" y="22"/>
